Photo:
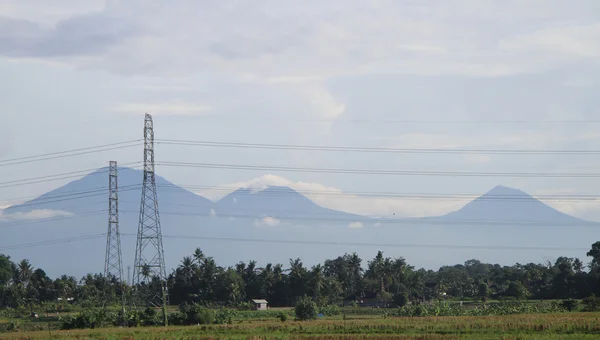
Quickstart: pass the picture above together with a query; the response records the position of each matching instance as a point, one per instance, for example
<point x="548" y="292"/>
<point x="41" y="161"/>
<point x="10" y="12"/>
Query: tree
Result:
<point x="401" y="299"/>
<point x="317" y="281"/>
<point x="483" y="291"/>
<point x="306" y="309"/>
<point x="297" y="278"/>
<point x="517" y="290"/>
<point x="594" y="253"/>
<point x="6" y="270"/>
<point x="378" y="270"/>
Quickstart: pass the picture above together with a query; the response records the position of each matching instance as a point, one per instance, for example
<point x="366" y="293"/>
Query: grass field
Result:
<point x="540" y="326"/>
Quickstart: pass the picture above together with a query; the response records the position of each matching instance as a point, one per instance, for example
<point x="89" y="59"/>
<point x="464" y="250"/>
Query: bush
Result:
<point x="224" y="316"/>
<point x="282" y="316"/>
<point x="306" y="309"/>
<point x="89" y="319"/>
<point x="330" y="310"/>
<point x="194" y="314"/>
<point x="591" y="303"/>
<point x="570" y="305"/>
<point x="401" y="299"/>
<point x="176" y="319"/>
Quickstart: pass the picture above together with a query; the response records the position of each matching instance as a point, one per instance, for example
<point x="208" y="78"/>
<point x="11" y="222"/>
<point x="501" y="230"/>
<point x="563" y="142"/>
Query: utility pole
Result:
<point x="113" y="263"/>
<point x="149" y="253"/>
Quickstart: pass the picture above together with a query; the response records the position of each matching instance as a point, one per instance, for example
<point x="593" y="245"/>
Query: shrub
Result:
<point x="401" y="299"/>
<point x="194" y="314"/>
<point x="592" y="303"/>
<point x="306" y="309"/>
<point x="330" y="310"/>
<point x="570" y="305"/>
<point x="282" y="316"/>
<point x="89" y="319"/>
<point x="224" y="316"/>
<point x="176" y="319"/>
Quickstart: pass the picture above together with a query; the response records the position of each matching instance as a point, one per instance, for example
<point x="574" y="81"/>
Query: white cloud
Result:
<point x="267" y="221"/>
<point x="311" y="39"/>
<point x="165" y="109"/>
<point x="355" y="225"/>
<point x="335" y="198"/>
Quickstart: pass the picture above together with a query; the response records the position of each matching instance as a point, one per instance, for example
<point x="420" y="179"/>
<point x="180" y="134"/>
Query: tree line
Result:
<point x="348" y="278"/>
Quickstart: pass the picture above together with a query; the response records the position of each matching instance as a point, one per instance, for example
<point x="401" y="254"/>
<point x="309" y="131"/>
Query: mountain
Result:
<point x="91" y="193"/>
<point x="280" y="202"/>
<point x="277" y="223"/>
<point x="509" y="205"/>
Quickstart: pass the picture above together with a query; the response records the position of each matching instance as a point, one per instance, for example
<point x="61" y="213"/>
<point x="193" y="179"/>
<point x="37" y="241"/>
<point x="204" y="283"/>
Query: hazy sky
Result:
<point x="401" y="74"/>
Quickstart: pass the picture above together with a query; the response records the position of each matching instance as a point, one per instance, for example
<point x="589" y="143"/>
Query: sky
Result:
<point x="468" y="74"/>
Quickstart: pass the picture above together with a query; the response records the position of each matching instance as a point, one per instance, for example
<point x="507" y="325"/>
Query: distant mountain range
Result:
<point x="486" y="228"/>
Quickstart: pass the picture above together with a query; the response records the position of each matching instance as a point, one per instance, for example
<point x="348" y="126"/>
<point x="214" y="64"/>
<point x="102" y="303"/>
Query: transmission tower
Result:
<point x="149" y="254"/>
<point x="113" y="264"/>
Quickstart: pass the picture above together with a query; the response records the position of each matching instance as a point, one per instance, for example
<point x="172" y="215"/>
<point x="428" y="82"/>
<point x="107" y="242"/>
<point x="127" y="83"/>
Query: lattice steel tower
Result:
<point x="149" y="253"/>
<point x="113" y="264"/>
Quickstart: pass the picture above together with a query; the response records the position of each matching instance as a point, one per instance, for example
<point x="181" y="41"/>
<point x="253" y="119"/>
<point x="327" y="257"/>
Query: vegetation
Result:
<point x="306" y="309"/>
<point x="530" y="326"/>
<point x="203" y="293"/>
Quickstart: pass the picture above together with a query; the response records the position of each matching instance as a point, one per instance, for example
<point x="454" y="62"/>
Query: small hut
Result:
<point x="260" y="304"/>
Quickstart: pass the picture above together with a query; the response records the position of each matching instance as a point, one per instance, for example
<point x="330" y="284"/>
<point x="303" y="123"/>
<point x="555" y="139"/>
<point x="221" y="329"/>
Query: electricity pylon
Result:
<point x="113" y="263"/>
<point x="149" y="254"/>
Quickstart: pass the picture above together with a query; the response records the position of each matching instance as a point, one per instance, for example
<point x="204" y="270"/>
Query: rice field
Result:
<point x="532" y="326"/>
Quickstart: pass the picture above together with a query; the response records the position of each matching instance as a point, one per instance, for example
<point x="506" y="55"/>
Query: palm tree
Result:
<point x="317" y="280"/>
<point x="25" y="270"/>
<point x="377" y="270"/>
<point x="356" y="270"/>
<point x="199" y="256"/>
<point x="146" y="271"/>
<point x="187" y="267"/>
<point x="297" y="274"/>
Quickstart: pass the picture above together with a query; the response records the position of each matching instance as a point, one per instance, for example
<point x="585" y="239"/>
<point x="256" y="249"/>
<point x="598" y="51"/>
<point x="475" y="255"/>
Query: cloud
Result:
<point x="278" y="40"/>
<point x="34" y="215"/>
<point x="355" y="225"/>
<point x="165" y="109"/>
<point x="267" y="221"/>
<point x="372" y="204"/>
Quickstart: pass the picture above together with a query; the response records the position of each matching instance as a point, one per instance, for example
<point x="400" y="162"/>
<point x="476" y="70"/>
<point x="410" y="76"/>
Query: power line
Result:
<point x="59" y="218"/>
<point x="56" y="177"/>
<point x="365" y="244"/>
<point x="240" y="118"/>
<point x="68" y="153"/>
<point x="70" y="197"/>
<point x="409" y="222"/>
<point x="65" y="193"/>
<point x="51" y="242"/>
<point x="279" y="192"/>
<point x="373" y="149"/>
<point x="379" y="172"/>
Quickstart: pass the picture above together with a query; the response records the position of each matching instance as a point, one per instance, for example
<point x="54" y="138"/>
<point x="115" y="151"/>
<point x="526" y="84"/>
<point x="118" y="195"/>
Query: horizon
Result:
<point x="263" y="186"/>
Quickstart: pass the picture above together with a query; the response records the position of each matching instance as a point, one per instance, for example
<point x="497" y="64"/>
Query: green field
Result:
<point x="530" y="326"/>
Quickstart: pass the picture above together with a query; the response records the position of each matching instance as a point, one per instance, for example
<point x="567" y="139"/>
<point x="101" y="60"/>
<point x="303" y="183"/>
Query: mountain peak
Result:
<point x="501" y="190"/>
<point x="509" y="204"/>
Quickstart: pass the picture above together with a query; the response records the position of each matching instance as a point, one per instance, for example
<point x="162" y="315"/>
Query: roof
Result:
<point x="260" y="301"/>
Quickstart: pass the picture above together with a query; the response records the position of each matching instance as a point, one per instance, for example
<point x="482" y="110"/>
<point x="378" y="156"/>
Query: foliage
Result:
<point x="570" y="305"/>
<point x="282" y="317"/>
<point x="195" y="314"/>
<point x="591" y="303"/>
<point x="224" y="316"/>
<point x="454" y="309"/>
<point x="330" y="310"/>
<point x="401" y="299"/>
<point x="306" y="309"/>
